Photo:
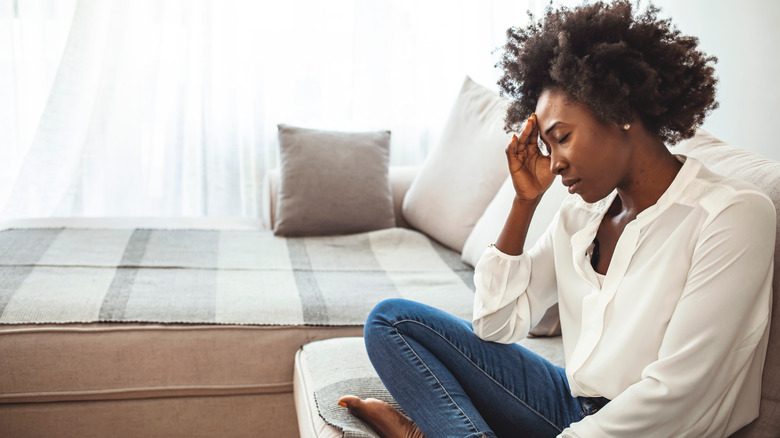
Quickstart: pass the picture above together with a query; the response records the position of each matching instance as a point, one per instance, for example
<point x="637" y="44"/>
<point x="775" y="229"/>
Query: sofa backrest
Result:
<point x="763" y="173"/>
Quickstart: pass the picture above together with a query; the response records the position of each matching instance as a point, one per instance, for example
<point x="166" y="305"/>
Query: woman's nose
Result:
<point x="557" y="163"/>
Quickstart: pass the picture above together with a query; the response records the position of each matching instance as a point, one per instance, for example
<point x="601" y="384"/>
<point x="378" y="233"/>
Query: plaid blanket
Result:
<point x="225" y="277"/>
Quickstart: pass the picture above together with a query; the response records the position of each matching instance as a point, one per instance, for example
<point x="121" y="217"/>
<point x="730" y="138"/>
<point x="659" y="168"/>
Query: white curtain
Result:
<point x="170" y="107"/>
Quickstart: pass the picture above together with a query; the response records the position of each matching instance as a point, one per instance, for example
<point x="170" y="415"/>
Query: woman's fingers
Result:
<point x="533" y="136"/>
<point x="529" y="168"/>
<point x="514" y="144"/>
<point x="514" y="150"/>
<point x="525" y="133"/>
<point x="529" y="137"/>
<point x="525" y="146"/>
<point x="534" y="132"/>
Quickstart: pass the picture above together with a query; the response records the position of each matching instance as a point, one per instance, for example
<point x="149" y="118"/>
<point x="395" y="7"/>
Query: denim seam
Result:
<point x="480" y="370"/>
<point x="437" y="381"/>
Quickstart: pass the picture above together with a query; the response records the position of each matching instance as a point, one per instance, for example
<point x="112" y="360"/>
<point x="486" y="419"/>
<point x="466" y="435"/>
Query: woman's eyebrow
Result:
<point x="547" y="132"/>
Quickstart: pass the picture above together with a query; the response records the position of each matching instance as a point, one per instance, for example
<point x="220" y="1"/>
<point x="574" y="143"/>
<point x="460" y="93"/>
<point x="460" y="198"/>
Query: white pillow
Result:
<point x="464" y="171"/>
<point x="491" y="223"/>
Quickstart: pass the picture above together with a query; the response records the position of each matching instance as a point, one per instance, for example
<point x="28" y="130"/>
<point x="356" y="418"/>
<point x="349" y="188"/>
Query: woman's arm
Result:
<point x="510" y="299"/>
<point x="531" y="177"/>
<point x="505" y="307"/>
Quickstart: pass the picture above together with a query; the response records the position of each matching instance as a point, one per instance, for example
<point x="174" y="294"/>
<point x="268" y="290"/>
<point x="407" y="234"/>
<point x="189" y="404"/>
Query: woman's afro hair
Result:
<point x="623" y="65"/>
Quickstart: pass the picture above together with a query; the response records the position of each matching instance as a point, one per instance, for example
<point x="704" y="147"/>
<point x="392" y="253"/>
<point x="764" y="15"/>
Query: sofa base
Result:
<point x="134" y="379"/>
<point x="257" y="415"/>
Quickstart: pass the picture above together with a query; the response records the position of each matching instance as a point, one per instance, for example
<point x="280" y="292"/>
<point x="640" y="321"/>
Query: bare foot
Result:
<point x="385" y="420"/>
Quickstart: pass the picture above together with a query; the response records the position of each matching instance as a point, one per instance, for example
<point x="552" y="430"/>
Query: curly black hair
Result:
<point x="623" y="65"/>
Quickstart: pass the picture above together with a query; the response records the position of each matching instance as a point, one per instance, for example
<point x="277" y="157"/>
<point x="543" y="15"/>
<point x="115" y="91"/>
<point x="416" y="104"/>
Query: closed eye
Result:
<point x="563" y="139"/>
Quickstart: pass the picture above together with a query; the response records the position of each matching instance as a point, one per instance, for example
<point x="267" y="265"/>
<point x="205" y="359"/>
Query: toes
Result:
<point x="350" y="401"/>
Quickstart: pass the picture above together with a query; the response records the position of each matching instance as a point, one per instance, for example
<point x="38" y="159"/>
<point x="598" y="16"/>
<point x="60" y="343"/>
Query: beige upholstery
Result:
<point x="310" y="423"/>
<point x="249" y="416"/>
<point x="151" y="379"/>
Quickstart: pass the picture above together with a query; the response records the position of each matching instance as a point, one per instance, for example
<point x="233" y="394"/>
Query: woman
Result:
<point x="661" y="268"/>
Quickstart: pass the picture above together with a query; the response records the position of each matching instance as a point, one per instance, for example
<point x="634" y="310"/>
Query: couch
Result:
<point x="189" y="327"/>
<point x="108" y="327"/>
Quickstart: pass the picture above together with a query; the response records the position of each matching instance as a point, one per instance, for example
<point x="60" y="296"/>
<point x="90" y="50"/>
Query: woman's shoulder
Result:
<point x="716" y="193"/>
<point x="710" y="185"/>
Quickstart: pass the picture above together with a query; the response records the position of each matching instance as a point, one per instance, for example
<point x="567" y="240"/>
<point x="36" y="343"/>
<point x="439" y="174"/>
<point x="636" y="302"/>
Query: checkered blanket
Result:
<point x="225" y="277"/>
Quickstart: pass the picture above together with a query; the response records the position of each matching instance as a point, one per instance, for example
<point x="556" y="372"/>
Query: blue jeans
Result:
<point x="453" y="384"/>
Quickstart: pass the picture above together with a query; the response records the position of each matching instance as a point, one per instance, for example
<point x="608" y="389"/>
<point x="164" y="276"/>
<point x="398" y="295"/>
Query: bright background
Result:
<point x="169" y="107"/>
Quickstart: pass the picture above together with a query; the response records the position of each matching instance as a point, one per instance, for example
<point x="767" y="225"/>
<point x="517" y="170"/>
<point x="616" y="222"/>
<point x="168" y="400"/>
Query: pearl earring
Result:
<point x="627" y="126"/>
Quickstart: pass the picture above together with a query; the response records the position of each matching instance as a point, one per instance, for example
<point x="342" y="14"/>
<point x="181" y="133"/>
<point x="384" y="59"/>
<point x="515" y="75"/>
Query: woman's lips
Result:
<point x="571" y="184"/>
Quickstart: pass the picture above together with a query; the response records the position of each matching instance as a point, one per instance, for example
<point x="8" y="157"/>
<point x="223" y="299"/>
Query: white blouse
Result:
<point x="676" y="336"/>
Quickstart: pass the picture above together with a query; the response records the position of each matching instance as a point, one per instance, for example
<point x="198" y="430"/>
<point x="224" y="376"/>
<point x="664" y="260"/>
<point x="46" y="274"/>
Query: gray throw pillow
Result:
<point x="333" y="182"/>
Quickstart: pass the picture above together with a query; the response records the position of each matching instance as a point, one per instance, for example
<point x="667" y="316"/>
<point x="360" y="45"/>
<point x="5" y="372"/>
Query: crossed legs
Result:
<point x="453" y="384"/>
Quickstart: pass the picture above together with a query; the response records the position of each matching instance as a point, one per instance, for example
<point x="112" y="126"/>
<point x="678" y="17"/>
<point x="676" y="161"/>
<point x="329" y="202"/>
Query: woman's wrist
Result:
<point x="533" y="203"/>
<point x="512" y="238"/>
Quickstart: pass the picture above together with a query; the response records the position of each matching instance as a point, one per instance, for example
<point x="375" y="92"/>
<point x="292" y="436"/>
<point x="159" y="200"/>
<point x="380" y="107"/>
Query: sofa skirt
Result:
<point x="129" y="380"/>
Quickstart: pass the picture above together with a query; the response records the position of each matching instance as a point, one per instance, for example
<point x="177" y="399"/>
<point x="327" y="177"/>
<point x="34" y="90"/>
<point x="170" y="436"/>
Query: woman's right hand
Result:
<point x="529" y="169"/>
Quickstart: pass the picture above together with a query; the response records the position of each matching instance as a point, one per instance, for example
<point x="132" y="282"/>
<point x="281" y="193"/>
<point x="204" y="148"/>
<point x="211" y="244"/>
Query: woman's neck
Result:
<point x="653" y="170"/>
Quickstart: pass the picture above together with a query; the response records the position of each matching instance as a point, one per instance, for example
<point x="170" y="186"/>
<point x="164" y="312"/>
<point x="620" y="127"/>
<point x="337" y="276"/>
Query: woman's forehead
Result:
<point x="554" y="105"/>
<point x="550" y="100"/>
<point x="551" y="106"/>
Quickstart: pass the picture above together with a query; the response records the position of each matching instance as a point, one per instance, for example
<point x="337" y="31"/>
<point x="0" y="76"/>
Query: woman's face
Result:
<point x="591" y="156"/>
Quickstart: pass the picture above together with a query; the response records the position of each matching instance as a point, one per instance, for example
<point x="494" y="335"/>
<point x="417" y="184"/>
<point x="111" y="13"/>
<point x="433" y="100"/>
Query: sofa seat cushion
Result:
<point x="153" y="318"/>
<point x="222" y="277"/>
<point x="141" y="313"/>
<point x="326" y="370"/>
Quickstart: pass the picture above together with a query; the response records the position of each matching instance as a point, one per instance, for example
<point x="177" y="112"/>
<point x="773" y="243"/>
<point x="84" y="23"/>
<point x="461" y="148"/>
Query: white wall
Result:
<point x="744" y="35"/>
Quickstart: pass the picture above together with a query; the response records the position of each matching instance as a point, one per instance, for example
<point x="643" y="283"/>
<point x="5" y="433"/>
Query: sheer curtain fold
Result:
<point x="169" y="107"/>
